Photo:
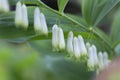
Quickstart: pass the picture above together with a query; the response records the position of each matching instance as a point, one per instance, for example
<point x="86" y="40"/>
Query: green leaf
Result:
<point x="61" y="5"/>
<point x="115" y="29"/>
<point x="78" y="19"/>
<point x="67" y="69"/>
<point x="95" y="10"/>
<point x="105" y="10"/>
<point x="87" y="6"/>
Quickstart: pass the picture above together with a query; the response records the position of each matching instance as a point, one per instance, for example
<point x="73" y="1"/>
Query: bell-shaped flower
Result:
<point x="91" y="62"/>
<point x="4" y="6"/>
<point x="76" y="48"/>
<point x="43" y="24"/>
<point x="55" y="41"/>
<point x="37" y="21"/>
<point x="61" y="39"/>
<point x="106" y="61"/>
<point x="101" y="63"/>
<point x="95" y="54"/>
<point x="70" y="43"/>
<point x="21" y="16"/>
<point x="18" y="14"/>
<point x="25" y="22"/>
<point x="40" y="25"/>
<point x="82" y="46"/>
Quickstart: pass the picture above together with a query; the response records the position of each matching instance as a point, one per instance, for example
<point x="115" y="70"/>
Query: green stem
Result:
<point x="73" y="21"/>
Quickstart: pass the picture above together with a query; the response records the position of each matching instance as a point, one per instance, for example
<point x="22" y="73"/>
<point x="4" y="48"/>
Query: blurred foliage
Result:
<point x="20" y="62"/>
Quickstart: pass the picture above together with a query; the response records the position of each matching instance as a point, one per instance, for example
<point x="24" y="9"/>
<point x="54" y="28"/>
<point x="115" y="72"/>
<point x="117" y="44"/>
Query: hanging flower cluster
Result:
<point x="97" y="60"/>
<point x="4" y="6"/>
<point x="77" y="48"/>
<point x="21" y="19"/>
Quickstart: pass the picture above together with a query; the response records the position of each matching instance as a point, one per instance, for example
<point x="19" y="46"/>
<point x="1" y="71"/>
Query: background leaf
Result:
<point x="61" y="5"/>
<point x="117" y="49"/>
<point x="24" y="63"/>
<point x="95" y="10"/>
<point x="105" y="10"/>
<point x="115" y="29"/>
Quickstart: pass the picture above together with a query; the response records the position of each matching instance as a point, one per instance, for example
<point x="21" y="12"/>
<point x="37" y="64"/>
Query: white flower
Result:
<point x="100" y="57"/>
<point x="43" y="24"/>
<point x="55" y="41"/>
<point x="21" y="16"/>
<point x="76" y="48"/>
<point x="82" y="47"/>
<point x="4" y="6"/>
<point x="93" y="58"/>
<point x="58" y="41"/>
<point x="91" y="62"/>
<point x="24" y="16"/>
<point x="106" y="61"/>
<point x="40" y="25"/>
<point x="61" y="39"/>
<point x="70" y="43"/>
<point x="18" y="14"/>
<point x="37" y="21"/>
<point x="95" y="54"/>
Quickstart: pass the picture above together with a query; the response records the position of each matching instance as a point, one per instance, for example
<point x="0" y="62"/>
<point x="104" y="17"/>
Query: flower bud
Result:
<point x="61" y="39"/>
<point x="4" y="6"/>
<point x="76" y="48"/>
<point x="18" y="15"/>
<point x="43" y="24"/>
<point x="70" y="43"/>
<point x="55" y="41"/>
<point x="37" y="21"/>
<point x="24" y="17"/>
<point x="82" y="47"/>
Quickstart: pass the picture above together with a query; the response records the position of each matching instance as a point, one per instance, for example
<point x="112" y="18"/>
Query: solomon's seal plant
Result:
<point x="41" y="43"/>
